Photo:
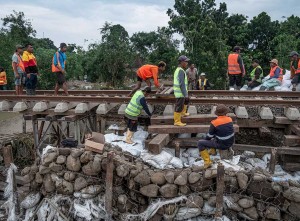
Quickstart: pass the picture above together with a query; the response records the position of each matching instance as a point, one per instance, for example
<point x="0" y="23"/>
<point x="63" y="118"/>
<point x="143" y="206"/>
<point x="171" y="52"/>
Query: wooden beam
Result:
<point x="7" y="155"/>
<point x="285" y="120"/>
<point x="109" y="186"/>
<point x="220" y="191"/>
<point x="291" y="140"/>
<point x="295" y="129"/>
<point x="157" y="143"/>
<point x="291" y="166"/>
<point x="273" y="160"/>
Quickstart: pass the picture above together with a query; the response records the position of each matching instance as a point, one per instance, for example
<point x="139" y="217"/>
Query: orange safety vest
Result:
<point x="3" y="80"/>
<point x="20" y="63"/>
<point x="298" y="68"/>
<point x="233" y="65"/>
<point x="54" y="68"/>
<point x="204" y="84"/>
<point x="272" y="73"/>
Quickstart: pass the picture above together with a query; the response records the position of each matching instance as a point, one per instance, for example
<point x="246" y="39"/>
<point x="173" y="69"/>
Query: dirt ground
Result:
<point x="11" y="123"/>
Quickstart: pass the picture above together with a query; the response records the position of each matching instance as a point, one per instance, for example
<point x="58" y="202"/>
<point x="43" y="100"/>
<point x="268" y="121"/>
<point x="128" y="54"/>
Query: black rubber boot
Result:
<point x="262" y="88"/>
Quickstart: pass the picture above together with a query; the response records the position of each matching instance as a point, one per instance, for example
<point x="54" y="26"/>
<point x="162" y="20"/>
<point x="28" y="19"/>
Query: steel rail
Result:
<point x="191" y="93"/>
<point x="151" y="100"/>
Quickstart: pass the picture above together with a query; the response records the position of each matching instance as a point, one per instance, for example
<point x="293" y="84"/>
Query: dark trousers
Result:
<point x="235" y="79"/>
<point x="180" y="102"/>
<point x="296" y="79"/>
<point x="31" y="84"/>
<point x="2" y="87"/>
<point x="254" y="84"/>
<point x="213" y="143"/>
<point x="131" y="124"/>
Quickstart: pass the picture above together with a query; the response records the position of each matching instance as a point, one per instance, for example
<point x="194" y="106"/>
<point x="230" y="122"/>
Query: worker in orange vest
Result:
<point x="274" y="78"/>
<point x="3" y="80"/>
<point x="145" y="73"/>
<point x="236" y="69"/>
<point x="18" y="69"/>
<point x="295" y="68"/>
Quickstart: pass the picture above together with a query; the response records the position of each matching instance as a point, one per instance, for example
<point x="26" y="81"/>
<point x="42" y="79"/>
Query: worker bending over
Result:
<point x="133" y="110"/>
<point x="295" y="69"/>
<point x="236" y="69"/>
<point x="180" y="86"/>
<point x="220" y="135"/>
<point x="146" y="72"/>
<point x="274" y="78"/>
<point x="203" y="83"/>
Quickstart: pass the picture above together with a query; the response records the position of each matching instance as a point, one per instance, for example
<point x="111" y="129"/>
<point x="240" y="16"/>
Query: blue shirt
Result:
<point x="62" y="59"/>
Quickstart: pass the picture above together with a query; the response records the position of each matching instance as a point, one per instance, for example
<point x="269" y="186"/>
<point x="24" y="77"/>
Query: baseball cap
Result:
<point x="183" y="58"/>
<point x="237" y="48"/>
<point x="275" y="61"/>
<point x="63" y="45"/>
<point x="19" y="46"/>
<point x="146" y="89"/>
<point x="202" y="74"/>
<point x="293" y="53"/>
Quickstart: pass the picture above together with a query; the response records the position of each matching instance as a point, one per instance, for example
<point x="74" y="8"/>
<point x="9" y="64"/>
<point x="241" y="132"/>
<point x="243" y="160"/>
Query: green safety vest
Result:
<point x="134" y="107"/>
<point x="252" y="74"/>
<point x="176" y="87"/>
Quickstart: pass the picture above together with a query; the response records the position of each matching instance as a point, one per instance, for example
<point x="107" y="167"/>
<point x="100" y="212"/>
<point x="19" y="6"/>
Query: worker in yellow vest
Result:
<point x="180" y="86"/>
<point x="203" y="83"/>
<point x="133" y="110"/>
<point x="3" y="79"/>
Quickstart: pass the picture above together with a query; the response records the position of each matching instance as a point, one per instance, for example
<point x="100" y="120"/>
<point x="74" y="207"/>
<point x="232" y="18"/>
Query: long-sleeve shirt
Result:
<point x="181" y="76"/>
<point x="145" y="106"/>
<point x="241" y="64"/>
<point x="30" y="64"/>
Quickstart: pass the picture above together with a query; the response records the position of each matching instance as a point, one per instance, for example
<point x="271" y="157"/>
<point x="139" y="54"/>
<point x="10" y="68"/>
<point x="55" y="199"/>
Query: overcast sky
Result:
<point x="72" y="21"/>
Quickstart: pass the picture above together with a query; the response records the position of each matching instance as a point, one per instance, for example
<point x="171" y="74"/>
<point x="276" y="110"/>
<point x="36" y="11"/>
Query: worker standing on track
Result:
<point x="236" y="69"/>
<point x="145" y="73"/>
<point x="58" y="67"/>
<point x="133" y="110"/>
<point x="203" y="83"/>
<point x="256" y="75"/>
<point x="19" y="69"/>
<point x="192" y="74"/>
<point x="220" y="135"/>
<point x="275" y="76"/>
<point x="3" y="79"/>
<point x="180" y="86"/>
<point x="31" y="70"/>
<point x="295" y="69"/>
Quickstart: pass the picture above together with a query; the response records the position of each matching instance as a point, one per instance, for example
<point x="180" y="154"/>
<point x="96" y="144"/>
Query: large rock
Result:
<point x="272" y="213"/>
<point x="251" y="212"/>
<point x="92" y="190"/>
<point x="38" y="178"/>
<point x="65" y="187"/>
<point x="64" y="151"/>
<point x="170" y="177"/>
<point x="169" y="190"/>
<point x="181" y="179"/>
<point x="44" y="169"/>
<point x="97" y="163"/>
<point x="184" y="190"/>
<point x="158" y="178"/>
<point x="55" y="167"/>
<point x="48" y="184"/>
<point x="25" y="171"/>
<point x="201" y="185"/>
<point x="73" y="164"/>
<point x="122" y="170"/>
<point x="210" y="173"/>
<point x="246" y="203"/>
<point x="61" y="159"/>
<point x="194" y="201"/>
<point x="69" y="176"/>
<point x="49" y="157"/>
<point x="31" y="200"/>
<point x="231" y="204"/>
<point x="294" y="209"/>
<point x="212" y="201"/>
<point x="143" y="178"/>
<point x="150" y="190"/>
<point x="80" y="183"/>
<point x="185" y="213"/>
<point x="293" y="194"/>
<point x="242" y="180"/>
<point x="194" y="177"/>
<point x="86" y="157"/>
<point x="260" y="190"/>
<point x="88" y="169"/>
<point x="76" y="152"/>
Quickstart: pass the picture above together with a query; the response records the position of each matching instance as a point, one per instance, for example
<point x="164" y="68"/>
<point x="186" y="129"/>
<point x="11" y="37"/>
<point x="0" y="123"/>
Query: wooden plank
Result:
<point x="171" y="129"/>
<point x="291" y="140"/>
<point x="254" y="123"/>
<point x="157" y="143"/>
<point x="285" y="120"/>
<point x="291" y="166"/>
<point x="295" y="129"/>
<point x="109" y="186"/>
<point x="7" y="155"/>
<point x="290" y="158"/>
<point x="264" y="131"/>
<point x="219" y="191"/>
<point x="192" y="119"/>
<point x="273" y="160"/>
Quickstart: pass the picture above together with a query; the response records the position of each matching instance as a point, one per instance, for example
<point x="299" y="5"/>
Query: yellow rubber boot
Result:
<point x="129" y="135"/>
<point x="177" y="119"/>
<point x="212" y="152"/>
<point x="184" y="111"/>
<point x="205" y="156"/>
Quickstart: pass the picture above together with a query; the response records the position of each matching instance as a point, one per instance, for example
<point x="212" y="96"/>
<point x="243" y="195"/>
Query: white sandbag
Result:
<point x="187" y="213"/>
<point x="176" y="162"/>
<point x="162" y="159"/>
<point x="255" y="162"/>
<point x="31" y="200"/>
<point x="185" y="135"/>
<point x="244" y="88"/>
<point x="193" y="152"/>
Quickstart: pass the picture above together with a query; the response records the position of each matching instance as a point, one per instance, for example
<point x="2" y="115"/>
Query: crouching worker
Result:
<point x="220" y="135"/>
<point x="133" y="110"/>
<point x="275" y="76"/>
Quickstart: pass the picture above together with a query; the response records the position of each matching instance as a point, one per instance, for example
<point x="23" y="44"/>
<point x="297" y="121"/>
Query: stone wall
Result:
<point x="79" y="173"/>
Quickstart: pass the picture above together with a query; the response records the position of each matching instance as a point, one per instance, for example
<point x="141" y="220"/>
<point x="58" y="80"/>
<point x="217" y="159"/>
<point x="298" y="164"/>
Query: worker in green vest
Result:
<point x="256" y="75"/>
<point x="133" y="110"/>
<point x="180" y="86"/>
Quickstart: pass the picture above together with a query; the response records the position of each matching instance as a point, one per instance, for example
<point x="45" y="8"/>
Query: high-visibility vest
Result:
<point x="204" y="84"/>
<point x="134" y="107"/>
<point x="3" y="80"/>
<point x="55" y="68"/>
<point x="298" y="68"/>
<point x="233" y="65"/>
<point x="20" y="63"/>
<point x="252" y="74"/>
<point x="272" y="73"/>
<point x="176" y="86"/>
